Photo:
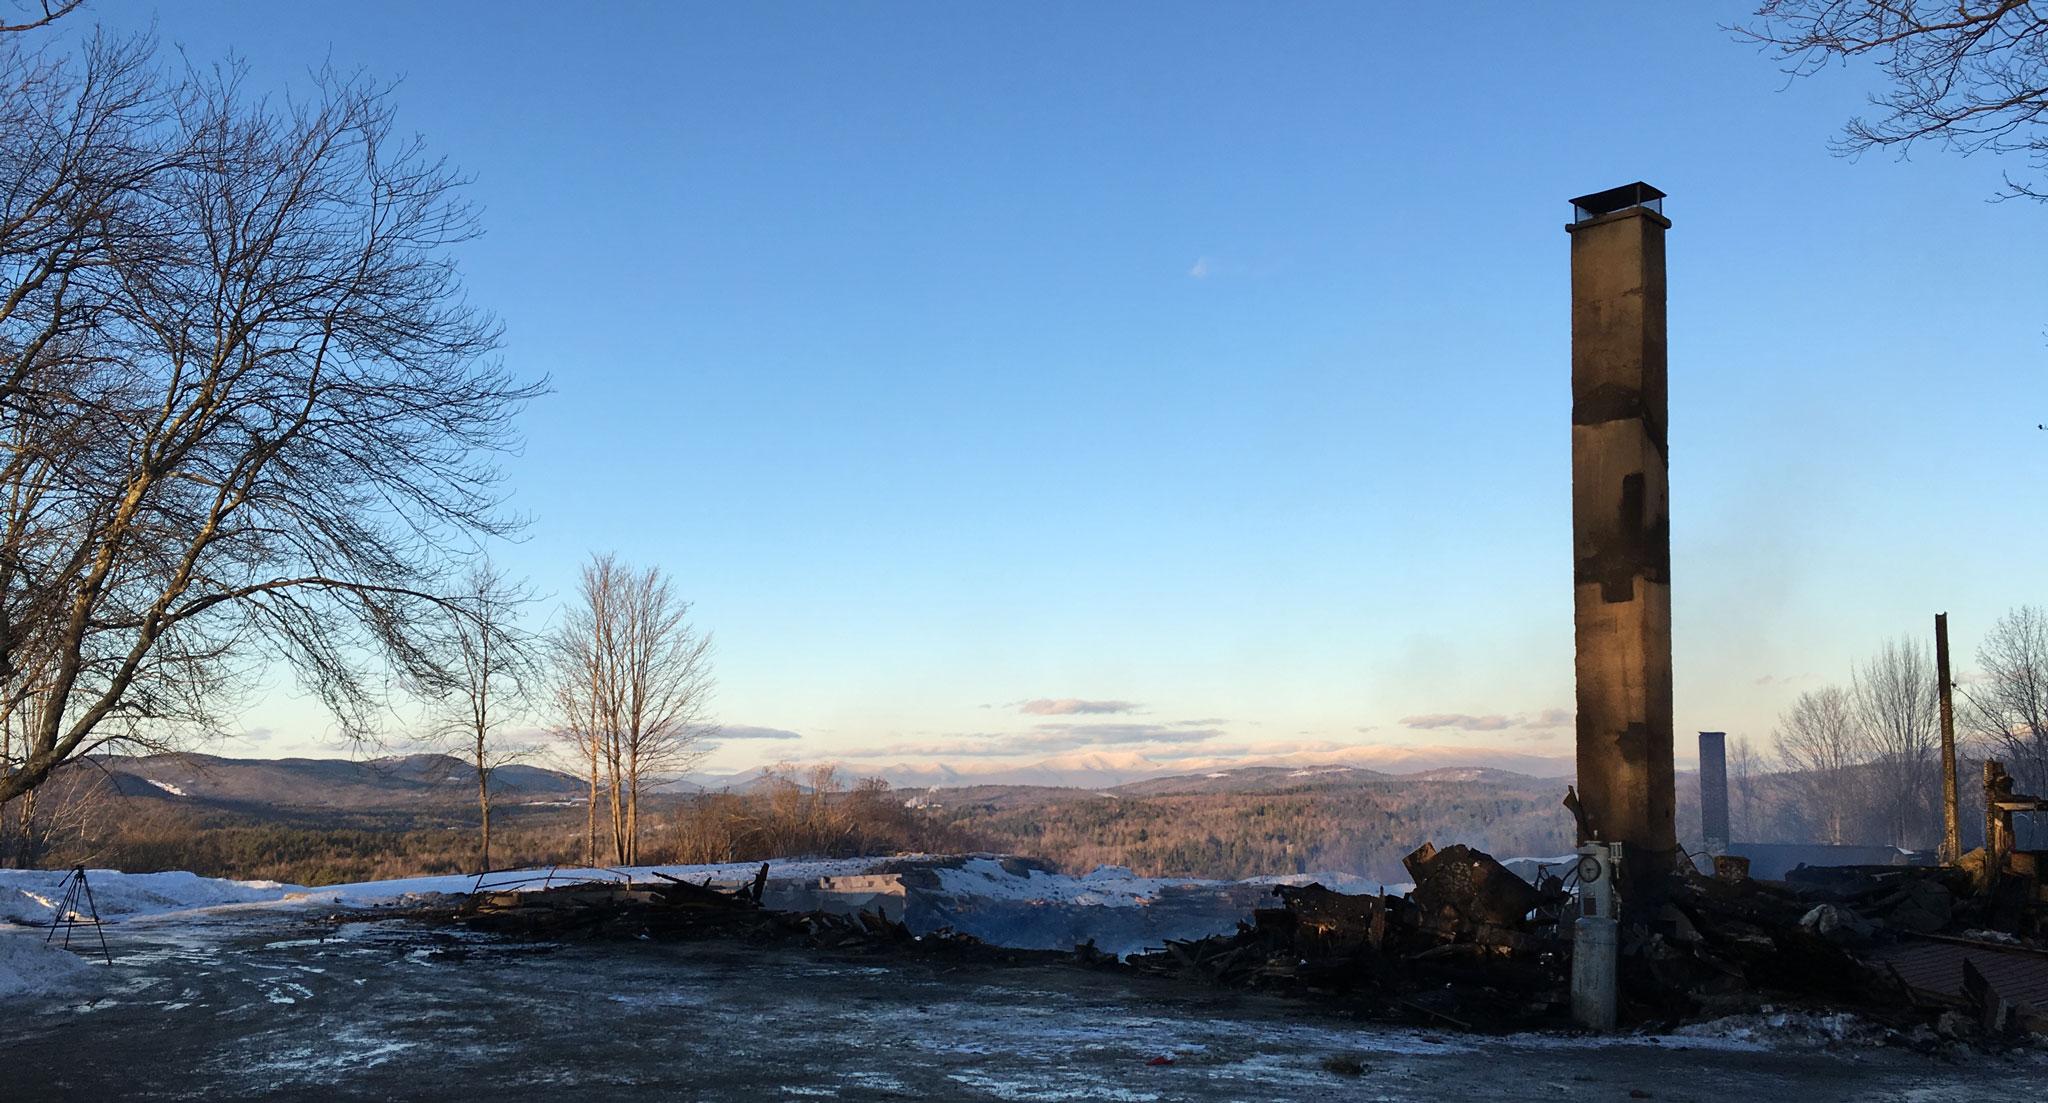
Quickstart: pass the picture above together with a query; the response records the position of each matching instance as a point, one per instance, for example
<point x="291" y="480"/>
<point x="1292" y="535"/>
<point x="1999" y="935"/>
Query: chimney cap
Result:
<point x="1638" y="194"/>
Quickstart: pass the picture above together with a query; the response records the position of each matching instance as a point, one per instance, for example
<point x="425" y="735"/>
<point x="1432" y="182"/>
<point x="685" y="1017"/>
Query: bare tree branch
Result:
<point x="1968" y="78"/>
<point x="246" y="413"/>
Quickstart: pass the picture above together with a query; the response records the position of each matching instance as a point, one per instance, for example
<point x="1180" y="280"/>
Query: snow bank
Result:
<point x="1772" y="1028"/>
<point x="1336" y="882"/>
<point x="30" y="968"/>
<point x="1010" y="903"/>
<point x="371" y="893"/>
<point x="1002" y="901"/>
<point x="33" y="895"/>
<point x="1105" y="887"/>
<point x="1108" y="886"/>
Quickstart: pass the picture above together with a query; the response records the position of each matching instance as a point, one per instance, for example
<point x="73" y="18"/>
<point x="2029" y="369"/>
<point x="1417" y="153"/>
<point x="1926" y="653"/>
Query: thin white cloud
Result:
<point x="1073" y="706"/>
<point x="1046" y="739"/>
<point x="1466" y="722"/>
<point x="1459" y="721"/>
<point x="1103" y="766"/>
<point x="751" y="731"/>
<point x="1090" y="734"/>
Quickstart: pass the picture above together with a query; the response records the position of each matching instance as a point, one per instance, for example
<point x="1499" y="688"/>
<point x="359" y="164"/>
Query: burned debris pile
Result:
<point x="1476" y="946"/>
<point x="1957" y="951"/>
<point x="672" y="910"/>
<point x="1473" y="945"/>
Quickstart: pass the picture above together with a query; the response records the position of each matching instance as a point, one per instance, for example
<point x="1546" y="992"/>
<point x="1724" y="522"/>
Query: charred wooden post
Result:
<point x="2000" y="804"/>
<point x="1621" y="532"/>
<point x="1951" y="823"/>
<point x="1996" y="821"/>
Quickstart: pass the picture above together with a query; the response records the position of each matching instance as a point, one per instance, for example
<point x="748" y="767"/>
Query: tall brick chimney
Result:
<point x="1621" y="531"/>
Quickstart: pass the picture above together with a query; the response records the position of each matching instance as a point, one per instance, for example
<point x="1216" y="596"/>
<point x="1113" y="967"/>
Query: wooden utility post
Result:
<point x="1951" y="825"/>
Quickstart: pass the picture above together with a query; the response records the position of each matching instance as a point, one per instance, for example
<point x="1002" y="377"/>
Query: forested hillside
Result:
<point x="316" y="822"/>
<point x="1350" y="822"/>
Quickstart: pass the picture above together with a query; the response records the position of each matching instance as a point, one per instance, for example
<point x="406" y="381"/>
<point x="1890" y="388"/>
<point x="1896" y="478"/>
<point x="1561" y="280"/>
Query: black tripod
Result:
<point x="76" y="891"/>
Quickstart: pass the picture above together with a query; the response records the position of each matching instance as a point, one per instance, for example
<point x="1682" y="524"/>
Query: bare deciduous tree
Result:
<point x="1967" y="77"/>
<point x="1819" y="739"/>
<point x="1898" y="706"/>
<point x="490" y="670"/>
<point x="248" y="414"/>
<point x="791" y="810"/>
<point x="2006" y="704"/>
<point x="633" y="689"/>
<point x="1746" y="766"/>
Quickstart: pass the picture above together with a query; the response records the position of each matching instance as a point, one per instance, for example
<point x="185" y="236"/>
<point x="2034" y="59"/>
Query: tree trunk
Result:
<point x="590" y="838"/>
<point x="633" y="812"/>
<point x="483" y="802"/>
<point x="618" y="806"/>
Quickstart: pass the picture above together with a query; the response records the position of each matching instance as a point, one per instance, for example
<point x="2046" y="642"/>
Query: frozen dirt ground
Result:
<point x="242" y="1004"/>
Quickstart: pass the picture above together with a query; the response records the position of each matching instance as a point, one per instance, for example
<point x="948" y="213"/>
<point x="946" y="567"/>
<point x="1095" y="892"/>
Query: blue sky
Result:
<point x="1209" y="360"/>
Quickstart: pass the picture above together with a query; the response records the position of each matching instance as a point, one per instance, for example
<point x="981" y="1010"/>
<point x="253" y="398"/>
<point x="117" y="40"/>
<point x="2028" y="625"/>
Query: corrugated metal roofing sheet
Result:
<point x="1936" y="967"/>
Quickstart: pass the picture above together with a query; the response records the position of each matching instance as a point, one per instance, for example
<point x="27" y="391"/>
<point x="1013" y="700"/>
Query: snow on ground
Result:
<point x="35" y="895"/>
<point x="1003" y="902"/>
<point x="371" y="893"/>
<point x="28" y="967"/>
<point x="1772" y="1028"/>
<point x="1336" y="882"/>
<point x="1106" y="886"/>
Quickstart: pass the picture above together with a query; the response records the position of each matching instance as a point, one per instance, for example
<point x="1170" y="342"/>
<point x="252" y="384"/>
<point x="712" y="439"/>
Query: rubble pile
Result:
<point x="1476" y="946"/>
<point x="672" y="909"/>
<point x="1957" y="951"/>
<point x="1472" y="946"/>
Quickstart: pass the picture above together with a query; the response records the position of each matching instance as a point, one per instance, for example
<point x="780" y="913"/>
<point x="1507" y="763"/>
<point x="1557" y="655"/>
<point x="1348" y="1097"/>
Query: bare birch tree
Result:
<point x="1898" y="704"/>
<point x="1820" y="740"/>
<point x="245" y="412"/>
<point x="485" y="694"/>
<point x="634" y="687"/>
<point x="1746" y="766"/>
<point x="583" y="705"/>
<point x="2006" y="704"/>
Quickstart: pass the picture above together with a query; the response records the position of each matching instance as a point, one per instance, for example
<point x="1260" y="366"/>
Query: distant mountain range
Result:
<point x="420" y="782"/>
<point x="433" y="782"/>
<point x="1098" y="770"/>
